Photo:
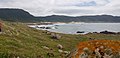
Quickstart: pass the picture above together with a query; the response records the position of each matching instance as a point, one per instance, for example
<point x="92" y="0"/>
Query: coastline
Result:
<point x="78" y="28"/>
<point x="51" y="23"/>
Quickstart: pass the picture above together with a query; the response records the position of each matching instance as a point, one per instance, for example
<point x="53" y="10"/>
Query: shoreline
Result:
<point x="51" y="23"/>
<point x="50" y="26"/>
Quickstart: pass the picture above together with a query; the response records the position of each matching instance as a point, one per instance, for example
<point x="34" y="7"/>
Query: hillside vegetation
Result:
<point x="19" y="40"/>
<point x="16" y="15"/>
<point x="98" y="49"/>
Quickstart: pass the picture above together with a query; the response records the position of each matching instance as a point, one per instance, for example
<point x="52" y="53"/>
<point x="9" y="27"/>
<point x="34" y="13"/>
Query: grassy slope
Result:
<point x="19" y="39"/>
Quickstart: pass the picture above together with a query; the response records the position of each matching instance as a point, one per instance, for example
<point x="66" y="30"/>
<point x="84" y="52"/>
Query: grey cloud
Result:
<point x="73" y="11"/>
<point x="68" y="7"/>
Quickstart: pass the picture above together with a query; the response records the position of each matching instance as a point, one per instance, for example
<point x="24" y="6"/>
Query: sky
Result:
<point x="65" y="7"/>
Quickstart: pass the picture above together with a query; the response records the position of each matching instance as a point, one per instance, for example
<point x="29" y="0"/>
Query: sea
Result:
<point x="73" y="28"/>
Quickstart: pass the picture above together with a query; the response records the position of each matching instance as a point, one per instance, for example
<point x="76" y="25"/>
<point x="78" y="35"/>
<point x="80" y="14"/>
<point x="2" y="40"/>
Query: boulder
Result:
<point x="66" y="52"/>
<point x="48" y="33"/>
<point x="45" y="47"/>
<point x="50" y="53"/>
<point x="48" y="28"/>
<point x="55" y="36"/>
<point x="59" y="46"/>
<point x="80" y="32"/>
<point x="95" y="32"/>
<point x="60" y="51"/>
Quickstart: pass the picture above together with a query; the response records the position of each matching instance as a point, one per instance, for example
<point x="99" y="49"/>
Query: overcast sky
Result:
<point x="65" y="7"/>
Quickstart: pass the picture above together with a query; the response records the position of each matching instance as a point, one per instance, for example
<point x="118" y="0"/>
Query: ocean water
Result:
<point x="86" y="27"/>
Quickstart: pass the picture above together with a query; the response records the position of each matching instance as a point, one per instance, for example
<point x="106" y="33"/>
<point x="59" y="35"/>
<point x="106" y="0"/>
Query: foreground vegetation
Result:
<point x="19" y="40"/>
<point x="98" y="49"/>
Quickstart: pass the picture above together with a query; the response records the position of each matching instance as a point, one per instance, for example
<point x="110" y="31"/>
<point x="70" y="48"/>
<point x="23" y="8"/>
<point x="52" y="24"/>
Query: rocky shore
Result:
<point x="104" y="32"/>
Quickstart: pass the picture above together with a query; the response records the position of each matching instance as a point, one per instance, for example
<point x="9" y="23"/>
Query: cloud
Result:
<point x="65" y="7"/>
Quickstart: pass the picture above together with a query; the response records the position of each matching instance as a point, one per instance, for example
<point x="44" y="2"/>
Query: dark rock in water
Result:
<point x="56" y="25"/>
<point x="56" y="28"/>
<point x="42" y="27"/>
<point x="107" y="32"/>
<point x="80" y="32"/>
<point x="48" y="28"/>
<point x="89" y="33"/>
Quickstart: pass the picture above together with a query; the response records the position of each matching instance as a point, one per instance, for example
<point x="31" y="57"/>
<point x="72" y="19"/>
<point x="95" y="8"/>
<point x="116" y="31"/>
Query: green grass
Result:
<point x="20" y="40"/>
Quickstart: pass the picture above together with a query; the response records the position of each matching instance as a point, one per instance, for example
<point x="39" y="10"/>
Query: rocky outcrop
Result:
<point x="107" y="32"/>
<point x="80" y="32"/>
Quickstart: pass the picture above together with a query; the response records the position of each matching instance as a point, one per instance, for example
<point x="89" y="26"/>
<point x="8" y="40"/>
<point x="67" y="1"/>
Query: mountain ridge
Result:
<point x="20" y="15"/>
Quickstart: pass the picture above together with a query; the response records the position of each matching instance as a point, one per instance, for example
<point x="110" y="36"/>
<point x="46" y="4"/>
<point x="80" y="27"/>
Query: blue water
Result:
<point x="87" y="27"/>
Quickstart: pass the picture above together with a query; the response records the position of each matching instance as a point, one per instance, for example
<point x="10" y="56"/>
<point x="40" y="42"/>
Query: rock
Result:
<point x="48" y="33"/>
<point x="80" y="32"/>
<point x="85" y="49"/>
<point x="102" y="47"/>
<point x="91" y="38"/>
<point x="108" y="51"/>
<point x="50" y="54"/>
<point x="98" y="53"/>
<point x="95" y="32"/>
<point x="59" y="46"/>
<point x="55" y="36"/>
<point x="0" y="32"/>
<point x="60" y="51"/>
<point x="107" y="32"/>
<point x="40" y="56"/>
<point x="18" y="57"/>
<point x="47" y="28"/>
<point x="45" y="47"/>
<point x="89" y="33"/>
<point x="107" y="56"/>
<point x="118" y="32"/>
<point x="58" y="36"/>
<point x="66" y="52"/>
<point x="83" y="55"/>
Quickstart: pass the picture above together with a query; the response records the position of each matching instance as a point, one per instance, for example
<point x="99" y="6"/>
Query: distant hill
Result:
<point x="16" y="15"/>
<point x="97" y="18"/>
<point x="24" y="16"/>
